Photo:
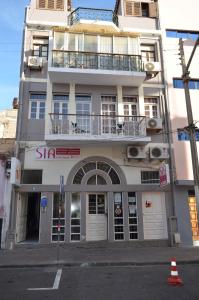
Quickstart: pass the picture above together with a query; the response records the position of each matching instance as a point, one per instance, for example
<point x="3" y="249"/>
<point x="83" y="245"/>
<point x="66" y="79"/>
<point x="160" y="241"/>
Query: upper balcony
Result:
<point x="92" y="19"/>
<point x="96" y="128"/>
<point x="96" y="68"/>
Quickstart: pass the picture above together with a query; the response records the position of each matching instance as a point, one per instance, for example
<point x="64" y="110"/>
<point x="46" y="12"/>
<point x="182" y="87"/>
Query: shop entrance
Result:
<point x="28" y="217"/>
<point x="96" y="217"/>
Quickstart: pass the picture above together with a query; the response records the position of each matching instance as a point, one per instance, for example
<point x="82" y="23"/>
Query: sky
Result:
<point x="11" y="27"/>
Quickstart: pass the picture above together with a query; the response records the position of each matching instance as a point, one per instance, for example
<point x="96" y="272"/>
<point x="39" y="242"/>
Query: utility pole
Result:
<point x="191" y="128"/>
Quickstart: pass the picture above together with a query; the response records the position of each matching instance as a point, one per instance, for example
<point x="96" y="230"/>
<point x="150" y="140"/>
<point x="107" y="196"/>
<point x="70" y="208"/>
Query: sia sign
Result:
<point x="53" y="153"/>
<point x="164" y="175"/>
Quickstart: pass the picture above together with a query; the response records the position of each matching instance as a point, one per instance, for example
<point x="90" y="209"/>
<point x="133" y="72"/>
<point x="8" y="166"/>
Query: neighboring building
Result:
<point x="8" y="120"/>
<point x="93" y="108"/>
<point x="184" y="26"/>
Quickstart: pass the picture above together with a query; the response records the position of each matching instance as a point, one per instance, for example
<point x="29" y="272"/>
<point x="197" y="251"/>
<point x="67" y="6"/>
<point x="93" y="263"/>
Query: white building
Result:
<point x="94" y="108"/>
<point x="184" y="26"/>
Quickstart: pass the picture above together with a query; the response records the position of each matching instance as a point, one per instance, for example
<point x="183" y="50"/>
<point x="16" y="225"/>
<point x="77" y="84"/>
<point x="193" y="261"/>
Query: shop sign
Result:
<point x="55" y="153"/>
<point x="164" y="175"/>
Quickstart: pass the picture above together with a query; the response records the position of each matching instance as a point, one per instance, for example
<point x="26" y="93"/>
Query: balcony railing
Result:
<point x="82" y="13"/>
<point x="97" y="61"/>
<point x="97" y="125"/>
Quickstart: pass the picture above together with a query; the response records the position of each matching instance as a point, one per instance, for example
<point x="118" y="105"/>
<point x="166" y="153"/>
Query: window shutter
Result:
<point x="133" y="9"/>
<point x="137" y="11"/>
<point x="153" y="10"/>
<point x="129" y="8"/>
<point x="51" y="4"/>
<point x="42" y="3"/>
<point x="60" y="4"/>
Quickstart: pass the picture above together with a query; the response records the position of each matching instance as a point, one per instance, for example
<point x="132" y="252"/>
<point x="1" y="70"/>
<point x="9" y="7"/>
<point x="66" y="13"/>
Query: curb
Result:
<point x="94" y="264"/>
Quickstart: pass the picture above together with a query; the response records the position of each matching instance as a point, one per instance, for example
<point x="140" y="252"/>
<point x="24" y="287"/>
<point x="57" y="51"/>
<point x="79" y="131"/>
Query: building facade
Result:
<point x="8" y="121"/>
<point x="94" y="112"/>
<point x="186" y="28"/>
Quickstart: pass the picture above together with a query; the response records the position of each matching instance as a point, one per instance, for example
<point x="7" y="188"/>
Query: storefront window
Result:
<point x="133" y="221"/>
<point x="58" y="226"/>
<point x="118" y="217"/>
<point x="75" y="217"/>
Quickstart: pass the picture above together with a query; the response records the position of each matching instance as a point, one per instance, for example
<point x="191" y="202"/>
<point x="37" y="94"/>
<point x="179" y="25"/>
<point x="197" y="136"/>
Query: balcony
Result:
<point x="99" y="128"/>
<point x="94" y="19"/>
<point x="99" y="68"/>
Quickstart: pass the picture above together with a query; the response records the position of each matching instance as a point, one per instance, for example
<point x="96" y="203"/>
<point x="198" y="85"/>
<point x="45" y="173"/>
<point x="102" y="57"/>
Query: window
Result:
<point x="96" y="204"/>
<point x="133" y="220"/>
<point x="83" y="110"/>
<point x="118" y="217"/>
<point x="148" y="52"/>
<point x="109" y="109"/>
<point x="130" y="107"/>
<point x="151" y="107"/>
<point x="96" y="180"/>
<point x="183" y="135"/>
<point x="141" y="9"/>
<point x="75" y="217"/>
<point x="40" y="47"/>
<point x="50" y="4"/>
<point x="99" y="165"/>
<point x="120" y="45"/>
<point x="193" y="84"/>
<point x="37" y="106"/>
<point x="90" y="43"/>
<point x="58" y="228"/>
<point x="31" y="177"/>
<point x="60" y="106"/>
<point x="193" y="35"/>
<point x="150" y="177"/>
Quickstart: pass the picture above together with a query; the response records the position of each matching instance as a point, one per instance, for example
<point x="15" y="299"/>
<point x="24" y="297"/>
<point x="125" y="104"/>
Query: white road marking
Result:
<point x="57" y="280"/>
<point x="55" y="285"/>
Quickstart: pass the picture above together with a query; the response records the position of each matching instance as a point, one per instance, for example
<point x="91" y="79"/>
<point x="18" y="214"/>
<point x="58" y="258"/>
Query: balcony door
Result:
<point x="83" y="111"/>
<point x="109" y="112"/>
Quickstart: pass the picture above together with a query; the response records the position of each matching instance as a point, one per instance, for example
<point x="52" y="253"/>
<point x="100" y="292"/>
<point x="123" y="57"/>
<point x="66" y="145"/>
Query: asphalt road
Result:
<point x="98" y="283"/>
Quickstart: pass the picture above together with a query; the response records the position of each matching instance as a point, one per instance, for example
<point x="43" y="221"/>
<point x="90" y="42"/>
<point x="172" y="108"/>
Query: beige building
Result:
<point x="94" y="109"/>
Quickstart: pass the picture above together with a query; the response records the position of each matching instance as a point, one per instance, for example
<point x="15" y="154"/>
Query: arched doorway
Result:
<point x="97" y="179"/>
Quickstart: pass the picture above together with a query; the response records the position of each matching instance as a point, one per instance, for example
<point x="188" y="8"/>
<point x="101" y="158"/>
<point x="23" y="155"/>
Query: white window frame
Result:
<point x="60" y="102"/>
<point x="38" y="103"/>
<point x="150" y="104"/>
<point x="134" y="102"/>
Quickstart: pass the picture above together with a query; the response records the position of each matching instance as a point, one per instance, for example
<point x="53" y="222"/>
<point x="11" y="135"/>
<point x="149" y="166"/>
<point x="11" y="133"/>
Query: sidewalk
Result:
<point x="95" y="254"/>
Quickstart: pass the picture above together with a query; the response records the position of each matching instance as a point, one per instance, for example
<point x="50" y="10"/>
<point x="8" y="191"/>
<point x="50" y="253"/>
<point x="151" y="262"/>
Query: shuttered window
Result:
<point x="153" y="10"/>
<point x="51" y="4"/>
<point x="133" y="8"/>
<point x="60" y="4"/>
<point x="138" y="9"/>
<point x="42" y="4"/>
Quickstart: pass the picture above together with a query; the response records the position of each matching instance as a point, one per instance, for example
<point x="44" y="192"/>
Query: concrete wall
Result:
<point x="43" y="16"/>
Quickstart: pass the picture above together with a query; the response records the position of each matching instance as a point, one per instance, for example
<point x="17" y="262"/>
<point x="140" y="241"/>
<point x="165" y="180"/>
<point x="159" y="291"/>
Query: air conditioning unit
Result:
<point x="34" y="62"/>
<point x="152" y="66"/>
<point x="136" y="152"/>
<point x="158" y="152"/>
<point x="153" y="123"/>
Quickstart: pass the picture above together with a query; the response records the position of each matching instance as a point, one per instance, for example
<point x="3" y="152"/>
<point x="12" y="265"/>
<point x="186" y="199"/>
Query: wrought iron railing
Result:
<point x="97" y="125"/>
<point x="102" y="61"/>
<point x="82" y="13"/>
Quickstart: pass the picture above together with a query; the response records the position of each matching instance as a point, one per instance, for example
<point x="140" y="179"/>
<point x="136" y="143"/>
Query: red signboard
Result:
<point x="53" y="153"/>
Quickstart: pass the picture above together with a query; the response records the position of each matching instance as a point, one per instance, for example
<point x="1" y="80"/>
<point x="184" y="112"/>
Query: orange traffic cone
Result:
<point x="174" y="279"/>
